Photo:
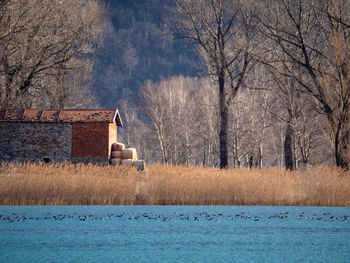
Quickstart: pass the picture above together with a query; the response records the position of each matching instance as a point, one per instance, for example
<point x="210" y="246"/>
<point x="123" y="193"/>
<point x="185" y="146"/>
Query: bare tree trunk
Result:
<point x="343" y="154"/>
<point x="223" y="123"/>
<point x="260" y="164"/>
<point x="237" y="161"/>
<point x="289" y="149"/>
<point x="341" y="143"/>
<point x="162" y="147"/>
<point x="204" y="152"/>
<point x="187" y="150"/>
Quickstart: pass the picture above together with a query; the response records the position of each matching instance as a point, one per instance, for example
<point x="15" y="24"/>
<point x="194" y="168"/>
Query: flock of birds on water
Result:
<point x="202" y="216"/>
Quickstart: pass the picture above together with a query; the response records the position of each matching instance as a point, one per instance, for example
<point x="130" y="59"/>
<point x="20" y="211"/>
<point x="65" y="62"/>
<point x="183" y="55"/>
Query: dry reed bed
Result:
<point x="67" y="184"/>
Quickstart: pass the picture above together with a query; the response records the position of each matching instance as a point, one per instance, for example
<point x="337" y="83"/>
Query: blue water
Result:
<point x="174" y="234"/>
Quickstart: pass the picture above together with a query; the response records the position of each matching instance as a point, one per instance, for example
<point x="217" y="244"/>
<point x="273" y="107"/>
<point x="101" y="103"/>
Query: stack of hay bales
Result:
<point x="125" y="156"/>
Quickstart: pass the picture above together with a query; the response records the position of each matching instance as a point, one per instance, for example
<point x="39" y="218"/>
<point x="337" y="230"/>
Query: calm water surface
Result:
<point x="174" y="234"/>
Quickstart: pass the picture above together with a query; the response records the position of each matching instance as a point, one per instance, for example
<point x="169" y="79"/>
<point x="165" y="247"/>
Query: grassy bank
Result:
<point x="168" y="185"/>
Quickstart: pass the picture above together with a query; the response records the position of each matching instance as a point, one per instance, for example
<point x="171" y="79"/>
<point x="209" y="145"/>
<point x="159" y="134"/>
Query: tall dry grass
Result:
<point x="68" y="184"/>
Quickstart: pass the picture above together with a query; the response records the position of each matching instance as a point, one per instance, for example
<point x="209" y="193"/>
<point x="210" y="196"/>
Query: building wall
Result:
<point x="76" y="142"/>
<point x="112" y="138"/>
<point x="90" y="139"/>
<point x="20" y="141"/>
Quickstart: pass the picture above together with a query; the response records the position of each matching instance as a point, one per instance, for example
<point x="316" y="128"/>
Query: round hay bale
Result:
<point x="129" y="153"/>
<point x="114" y="146"/>
<point x="140" y="165"/>
<point x="116" y="154"/>
<point x="115" y="161"/>
<point x="127" y="162"/>
<point x="118" y="146"/>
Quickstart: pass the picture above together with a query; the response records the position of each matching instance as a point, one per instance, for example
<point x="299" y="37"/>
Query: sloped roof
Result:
<point x="65" y="115"/>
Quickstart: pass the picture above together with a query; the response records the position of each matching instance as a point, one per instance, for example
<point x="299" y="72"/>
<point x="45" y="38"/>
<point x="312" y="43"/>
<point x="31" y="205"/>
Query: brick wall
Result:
<point x="35" y="141"/>
<point x="90" y="139"/>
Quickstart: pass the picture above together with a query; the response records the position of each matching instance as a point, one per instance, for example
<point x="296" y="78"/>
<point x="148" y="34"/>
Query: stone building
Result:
<point x="47" y="135"/>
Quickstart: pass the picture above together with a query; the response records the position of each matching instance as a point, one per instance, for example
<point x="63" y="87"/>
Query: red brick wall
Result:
<point x="90" y="139"/>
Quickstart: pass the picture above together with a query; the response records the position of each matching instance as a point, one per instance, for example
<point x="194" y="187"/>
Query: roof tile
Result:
<point x="65" y="115"/>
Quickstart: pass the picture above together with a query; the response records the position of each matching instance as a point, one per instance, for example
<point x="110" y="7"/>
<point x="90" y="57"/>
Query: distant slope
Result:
<point x="134" y="50"/>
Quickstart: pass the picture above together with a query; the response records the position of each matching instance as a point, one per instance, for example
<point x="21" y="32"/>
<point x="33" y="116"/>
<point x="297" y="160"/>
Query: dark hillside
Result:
<point x="135" y="50"/>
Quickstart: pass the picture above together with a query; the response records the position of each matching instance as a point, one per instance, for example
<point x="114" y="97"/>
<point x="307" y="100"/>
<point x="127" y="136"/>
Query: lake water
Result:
<point x="174" y="234"/>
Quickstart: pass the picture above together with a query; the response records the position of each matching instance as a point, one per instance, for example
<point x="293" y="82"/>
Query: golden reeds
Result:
<point x="68" y="184"/>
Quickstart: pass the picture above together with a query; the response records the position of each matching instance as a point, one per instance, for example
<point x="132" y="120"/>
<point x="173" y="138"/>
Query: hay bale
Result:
<point x="129" y="153"/>
<point x="118" y="146"/>
<point x="140" y="165"/>
<point x="114" y="146"/>
<point x="116" y="154"/>
<point x="127" y="162"/>
<point x="115" y="161"/>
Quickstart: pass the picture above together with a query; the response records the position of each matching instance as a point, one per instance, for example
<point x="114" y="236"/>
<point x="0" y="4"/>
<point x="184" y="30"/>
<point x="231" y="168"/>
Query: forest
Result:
<point x="219" y="83"/>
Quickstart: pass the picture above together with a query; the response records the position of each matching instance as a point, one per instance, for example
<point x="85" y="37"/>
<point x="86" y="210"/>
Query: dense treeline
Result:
<point x="296" y="51"/>
<point x="274" y="87"/>
<point x="182" y="125"/>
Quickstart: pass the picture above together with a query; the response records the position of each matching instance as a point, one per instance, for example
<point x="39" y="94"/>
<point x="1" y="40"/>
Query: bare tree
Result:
<point x="223" y="30"/>
<point x="44" y="46"/>
<point x="183" y="128"/>
<point x="305" y="35"/>
<point x="259" y="106"/>
<point x="154" y="105"/>
<point x="184" y="124"/>
<point x="294" y="110"/>
<point x="250" y="120"/>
